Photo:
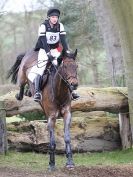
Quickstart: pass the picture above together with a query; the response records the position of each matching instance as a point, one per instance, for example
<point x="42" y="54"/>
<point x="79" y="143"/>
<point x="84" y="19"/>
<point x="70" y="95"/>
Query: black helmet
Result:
<point x="53" y="12"/>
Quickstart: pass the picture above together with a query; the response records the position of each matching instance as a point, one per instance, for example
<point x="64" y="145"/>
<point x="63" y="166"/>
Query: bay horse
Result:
<point x="56" y="95"/>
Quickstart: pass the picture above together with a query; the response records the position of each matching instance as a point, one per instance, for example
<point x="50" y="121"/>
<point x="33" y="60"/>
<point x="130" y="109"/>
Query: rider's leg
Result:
<point x="36" y="72"/>
<point x="42" y="61"/>
<point x="37" y="83"/>
<point x="41" y="66"/>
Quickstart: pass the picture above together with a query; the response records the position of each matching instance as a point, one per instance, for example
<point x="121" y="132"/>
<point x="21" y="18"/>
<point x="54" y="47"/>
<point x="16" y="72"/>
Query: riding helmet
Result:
<point x="53" y="12"/>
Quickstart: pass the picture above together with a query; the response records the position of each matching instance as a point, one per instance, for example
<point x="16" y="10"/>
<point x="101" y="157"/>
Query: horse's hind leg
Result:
<point x="19" y="96"/>
<point x="27" y="91"/>
<point x="21" y="81"/>
<point x="67" y="121"/>
<point x="52" y="144"/>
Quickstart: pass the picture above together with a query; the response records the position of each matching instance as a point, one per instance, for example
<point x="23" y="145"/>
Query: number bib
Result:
<point x="52" y="38"/>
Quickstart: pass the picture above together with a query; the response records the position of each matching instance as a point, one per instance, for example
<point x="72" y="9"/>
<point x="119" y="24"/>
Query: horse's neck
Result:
<point x="61" y="88"/>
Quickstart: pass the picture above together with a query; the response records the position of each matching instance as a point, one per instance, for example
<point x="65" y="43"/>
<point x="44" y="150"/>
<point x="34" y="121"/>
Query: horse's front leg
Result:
<point x="52" y="144"/>
<point x="67" y="138"/>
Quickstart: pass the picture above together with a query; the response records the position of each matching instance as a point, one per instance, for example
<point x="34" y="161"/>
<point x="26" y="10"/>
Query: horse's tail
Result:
<point x="13" y="72"/>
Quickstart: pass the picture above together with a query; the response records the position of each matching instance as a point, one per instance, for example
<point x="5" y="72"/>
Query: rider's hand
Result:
<point x="50" y="57"/>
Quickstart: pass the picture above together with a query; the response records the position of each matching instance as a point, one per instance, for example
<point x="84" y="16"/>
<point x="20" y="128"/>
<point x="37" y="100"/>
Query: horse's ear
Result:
<point x="75" y="53"/>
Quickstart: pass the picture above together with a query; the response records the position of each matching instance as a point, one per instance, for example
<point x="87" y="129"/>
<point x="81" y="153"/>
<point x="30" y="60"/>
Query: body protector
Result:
<point x="49" y="38"/>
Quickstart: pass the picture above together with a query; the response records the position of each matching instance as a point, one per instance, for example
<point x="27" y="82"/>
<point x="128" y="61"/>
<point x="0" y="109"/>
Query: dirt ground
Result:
<point x="117" y="171"/>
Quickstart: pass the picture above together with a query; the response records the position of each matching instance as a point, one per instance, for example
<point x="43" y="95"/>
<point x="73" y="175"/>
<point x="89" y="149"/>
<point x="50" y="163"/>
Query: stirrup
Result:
<point x="38" y="97"/>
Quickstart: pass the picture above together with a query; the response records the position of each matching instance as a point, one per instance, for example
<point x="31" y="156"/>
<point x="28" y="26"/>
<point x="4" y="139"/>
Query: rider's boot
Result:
<point x="38" y="95"/>
<point x="75" y="96"/>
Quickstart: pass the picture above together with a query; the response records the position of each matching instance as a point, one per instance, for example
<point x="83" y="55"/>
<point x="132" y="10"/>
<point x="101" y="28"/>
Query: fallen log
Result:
<point x="113" y="100"/>
<point x="88" y="134"/>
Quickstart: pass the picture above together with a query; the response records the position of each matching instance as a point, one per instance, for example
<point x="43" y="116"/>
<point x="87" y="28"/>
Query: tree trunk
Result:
<point x="95" y="72"/>
<point x="125" y="133"/>
<point x="3" y="135"/>
<point x="111" y="41"/>
<point x="123" y="13"/>
<point x="94" y="66"/>
<point x="2" y="70"/>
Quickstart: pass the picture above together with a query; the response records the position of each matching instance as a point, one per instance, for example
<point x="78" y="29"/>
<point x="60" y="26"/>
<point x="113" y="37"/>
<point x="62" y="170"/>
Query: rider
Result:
<point x="51" y="33"/>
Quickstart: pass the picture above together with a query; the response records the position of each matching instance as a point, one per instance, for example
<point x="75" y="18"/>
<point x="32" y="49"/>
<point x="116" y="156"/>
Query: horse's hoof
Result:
<point x="29" y="94"/>
<point x="18" y="97"/>
<point x="70" y="166"/>
<point x="51" y="168"/>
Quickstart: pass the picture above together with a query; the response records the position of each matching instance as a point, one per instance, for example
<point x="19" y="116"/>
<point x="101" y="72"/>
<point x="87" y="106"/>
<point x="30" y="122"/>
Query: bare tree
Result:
<point x="111" y="40"/>
<point x="120" y="13"/>
<point x="123" y="13"/>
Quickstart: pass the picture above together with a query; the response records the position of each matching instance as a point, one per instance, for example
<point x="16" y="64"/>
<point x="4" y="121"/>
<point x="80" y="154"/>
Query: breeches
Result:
<point x="42" y="62"/>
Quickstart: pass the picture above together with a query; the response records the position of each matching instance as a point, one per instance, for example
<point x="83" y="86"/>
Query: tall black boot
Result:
<point x="38" y="95"/>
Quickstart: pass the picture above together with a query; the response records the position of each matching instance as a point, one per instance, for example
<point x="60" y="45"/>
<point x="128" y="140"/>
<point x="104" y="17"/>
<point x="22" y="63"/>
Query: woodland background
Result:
<point x="89" y="29"/>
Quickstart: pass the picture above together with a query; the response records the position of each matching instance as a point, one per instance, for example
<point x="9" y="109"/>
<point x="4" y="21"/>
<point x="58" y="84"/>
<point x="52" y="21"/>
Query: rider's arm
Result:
<point x="43" y="41"/>
<point x="42" y="38"/>
<point x="63" y="37"/>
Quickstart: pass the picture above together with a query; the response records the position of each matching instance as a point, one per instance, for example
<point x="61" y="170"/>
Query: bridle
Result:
<point x="65" y="78"/>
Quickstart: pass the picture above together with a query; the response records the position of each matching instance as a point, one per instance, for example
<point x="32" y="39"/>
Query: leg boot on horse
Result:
<point x="52" y="144"/>
<point x="37" y="83"/>
<point x="67" y="138"/>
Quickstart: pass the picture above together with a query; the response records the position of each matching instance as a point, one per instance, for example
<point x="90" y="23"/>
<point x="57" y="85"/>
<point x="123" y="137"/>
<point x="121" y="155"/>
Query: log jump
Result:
<point x="113" y="100"/>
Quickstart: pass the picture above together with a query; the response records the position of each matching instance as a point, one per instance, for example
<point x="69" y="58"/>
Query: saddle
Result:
<point x="45" y="75"/>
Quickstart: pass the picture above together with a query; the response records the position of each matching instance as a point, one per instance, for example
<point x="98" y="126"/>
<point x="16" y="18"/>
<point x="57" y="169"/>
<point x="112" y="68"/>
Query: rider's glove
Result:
<point x="50" y="57"/>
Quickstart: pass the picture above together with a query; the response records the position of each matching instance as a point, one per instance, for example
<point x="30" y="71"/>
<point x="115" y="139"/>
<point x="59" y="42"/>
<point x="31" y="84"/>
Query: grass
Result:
<point x="26" y="117"/>
<point x="15" y="118"/>
<point x="39" y="162"/>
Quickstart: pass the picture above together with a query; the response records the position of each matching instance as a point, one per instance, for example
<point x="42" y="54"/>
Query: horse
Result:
<point x="56" y="95"/>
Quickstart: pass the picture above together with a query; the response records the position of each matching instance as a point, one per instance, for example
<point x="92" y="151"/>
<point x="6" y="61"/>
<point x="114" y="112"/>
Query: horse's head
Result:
<point x="69" y="70"/>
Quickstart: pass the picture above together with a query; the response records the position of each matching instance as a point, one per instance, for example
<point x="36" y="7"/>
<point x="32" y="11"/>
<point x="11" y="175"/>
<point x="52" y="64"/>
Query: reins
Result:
<point x="38" y="62"/>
